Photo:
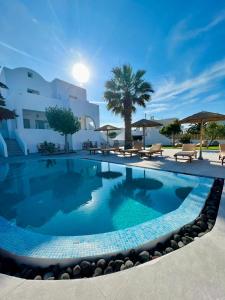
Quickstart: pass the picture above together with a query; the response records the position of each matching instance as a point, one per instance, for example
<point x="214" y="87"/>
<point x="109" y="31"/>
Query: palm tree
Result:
<point x="125" y="90"/>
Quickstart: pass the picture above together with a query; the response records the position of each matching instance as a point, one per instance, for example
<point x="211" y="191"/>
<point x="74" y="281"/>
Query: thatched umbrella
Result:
<point x="109" y="174"/>
<point x="107" y="128"/>
<point x="202" y="118"/>
<point x="144" y="123"/>
<point x="6" y="114"/>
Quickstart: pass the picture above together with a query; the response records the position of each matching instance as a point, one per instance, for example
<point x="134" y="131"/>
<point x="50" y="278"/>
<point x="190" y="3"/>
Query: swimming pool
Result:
<point x="71" y="208"/>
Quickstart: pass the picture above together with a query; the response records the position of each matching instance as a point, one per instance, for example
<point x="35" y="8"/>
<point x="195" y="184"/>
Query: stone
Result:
<point x="48" y="275"/>
<point x="201" y="234"/>
<point x="186" y="240"/>
<point x="211" y="221"/>
<point x="194" y="234"/>
<point x="108" y="270"/>
<point x="168" y="250"/>
<point x="69" y="270"/>
<point x="38" y="277"/>
<point x="174" y="244"/>
<point x="55" y="269"/>
<point x="76" y="271"/>
<point x="210" y="226"/>
<point x="98" y="271"/>
<point x="160" y="246"/>
<point x="118" y="264"/>
<point x="144" y="256"/>
<point x="86" y="268"/>
<point x="157" y="253"/>
<point x="203" y="217"/>
<point x="101" y="263"/>
<point x="202" y="225"/>
<point x="27" y="273"/>
<point x="65" y="276"/>
<point x="129" y="264"/>
<point x="51" y="278"/>
<point x="133" y="254"/>
<point x="85" y="264"/>
<point x="122" y="267"/>
<point x="187" y="228"/>
<point x="111" y="263"/>
<point x="119" y="256"/>
<point x="196" y="228"/>
<point x="180" y="244"/>
<point x="176" y="237"/>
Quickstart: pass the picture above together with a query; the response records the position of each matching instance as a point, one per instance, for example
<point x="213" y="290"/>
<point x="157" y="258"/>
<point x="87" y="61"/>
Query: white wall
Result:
<point x="84" y="135"/>
<point x="33" y="137"/>
<point x="53" y="93"/>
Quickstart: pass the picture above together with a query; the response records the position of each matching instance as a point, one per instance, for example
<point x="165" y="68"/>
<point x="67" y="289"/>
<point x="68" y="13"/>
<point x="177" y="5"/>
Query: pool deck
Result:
<point x="196" y="271"/>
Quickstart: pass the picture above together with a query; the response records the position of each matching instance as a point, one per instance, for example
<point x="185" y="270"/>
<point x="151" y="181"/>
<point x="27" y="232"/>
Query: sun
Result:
<point x="80" y="73"/>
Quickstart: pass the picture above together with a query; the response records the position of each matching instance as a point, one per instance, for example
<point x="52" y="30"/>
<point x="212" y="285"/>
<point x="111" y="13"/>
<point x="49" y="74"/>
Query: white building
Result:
<point x="29" y="94"/>
<point x="152" y="135"/>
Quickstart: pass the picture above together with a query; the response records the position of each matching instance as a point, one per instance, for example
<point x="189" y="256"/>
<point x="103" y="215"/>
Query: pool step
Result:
<point x="13" y="147"/>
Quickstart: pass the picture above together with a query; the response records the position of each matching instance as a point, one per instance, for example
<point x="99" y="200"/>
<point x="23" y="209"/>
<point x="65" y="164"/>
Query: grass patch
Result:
<point x="203" y="148"/>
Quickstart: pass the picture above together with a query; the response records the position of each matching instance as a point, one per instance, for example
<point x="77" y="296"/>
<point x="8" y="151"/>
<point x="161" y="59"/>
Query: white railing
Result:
<point x="3" y="147"/>
<point x="20" y="141"/>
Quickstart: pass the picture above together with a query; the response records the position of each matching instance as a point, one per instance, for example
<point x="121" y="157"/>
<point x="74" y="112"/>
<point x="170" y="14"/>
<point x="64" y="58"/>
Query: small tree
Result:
<point x="194" y="128"/>
<point x="5" y="114"/>
<point x="185" y="138"/>
<point x="63" y="121"/>
<point x="112" y="134"/>
<point x="171" y="130"/>
<point x="214" y="130"/>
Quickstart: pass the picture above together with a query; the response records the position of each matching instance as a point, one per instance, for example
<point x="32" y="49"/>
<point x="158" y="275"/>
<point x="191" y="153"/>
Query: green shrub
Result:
<point x="185" y="138"/>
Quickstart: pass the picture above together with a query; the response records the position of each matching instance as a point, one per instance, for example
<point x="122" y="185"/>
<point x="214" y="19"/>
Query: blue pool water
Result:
<point x="74" y="197"/>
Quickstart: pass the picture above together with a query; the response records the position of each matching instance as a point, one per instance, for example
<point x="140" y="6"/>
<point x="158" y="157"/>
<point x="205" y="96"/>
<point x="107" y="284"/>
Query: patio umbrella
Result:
<point x="202" y="118"/>
<point x="144" y="123"/>
<point x="6" y="114"/>
<point x="107" y="128"/>
<point x="109" y="174"/>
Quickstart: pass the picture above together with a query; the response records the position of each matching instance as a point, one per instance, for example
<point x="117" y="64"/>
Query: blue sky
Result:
<point x="181" y="45"/>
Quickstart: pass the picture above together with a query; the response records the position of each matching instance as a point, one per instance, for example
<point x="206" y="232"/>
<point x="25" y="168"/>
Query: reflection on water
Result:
<point x="77" y="197"/>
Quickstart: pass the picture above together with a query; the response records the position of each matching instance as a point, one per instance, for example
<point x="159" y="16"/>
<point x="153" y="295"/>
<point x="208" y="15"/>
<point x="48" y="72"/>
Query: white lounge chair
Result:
<point x="188" y="150"/>
<point x="154" y="149"/>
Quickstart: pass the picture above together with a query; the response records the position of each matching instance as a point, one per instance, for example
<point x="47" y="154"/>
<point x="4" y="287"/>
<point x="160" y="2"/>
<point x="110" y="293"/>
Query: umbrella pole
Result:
<point x="107" y="138"/>
<point x="201" y="137"/>
<point x="144" y="137"/>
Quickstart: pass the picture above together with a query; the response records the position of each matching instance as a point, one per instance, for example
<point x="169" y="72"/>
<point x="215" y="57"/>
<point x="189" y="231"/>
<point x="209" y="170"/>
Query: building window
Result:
<point x="33" y="92"/>
<point x="72" y="97"/>
<point x="89" y="123"/>
<point x="40" y="124"/>
<point x="26" y="123"/>
<point x="29" y="74"/>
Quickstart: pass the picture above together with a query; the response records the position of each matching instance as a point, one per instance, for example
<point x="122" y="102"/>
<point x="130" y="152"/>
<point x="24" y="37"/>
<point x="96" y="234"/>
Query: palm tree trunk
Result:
<point x="127" y="123"/>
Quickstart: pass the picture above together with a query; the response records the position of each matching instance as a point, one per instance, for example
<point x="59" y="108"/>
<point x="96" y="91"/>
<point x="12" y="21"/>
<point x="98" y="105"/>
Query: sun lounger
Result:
<point x="154" y="149"/>
<point x="137" y="147"/>
<point x="188" y="150"/>
<point x="93" y="150"/>
<point x="222" y="153"/>
<point x="108" y="150"/>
